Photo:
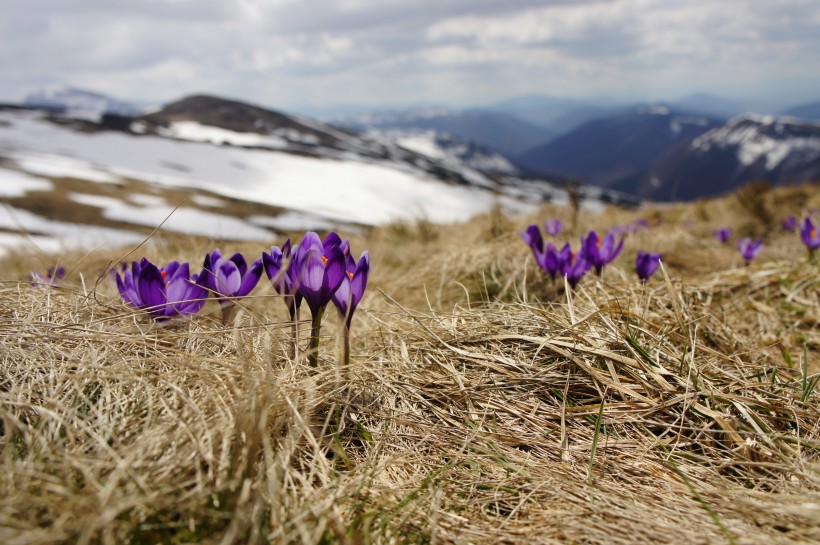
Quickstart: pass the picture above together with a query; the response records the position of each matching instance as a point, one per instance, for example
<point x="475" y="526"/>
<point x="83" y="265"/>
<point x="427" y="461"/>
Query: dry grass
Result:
<point x="481" y="405"/>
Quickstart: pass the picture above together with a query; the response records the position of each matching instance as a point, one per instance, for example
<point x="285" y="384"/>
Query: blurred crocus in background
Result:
<point x="749" y="249"/>
<point x="723" y="234"/>
<point x="230" y="278"/>
<point x="646" y="264"/>
<point x="532" y="238"/>
<point x="553" y="227"/>
<point x="810" y="236"/>
<point x="575" y="266"/>
<point x="164" y="292"/>
<point x="52" y="277"/>
<point x="552" y="260"/>
<point x="599" y="252"/>
<point x="789" y="223"/>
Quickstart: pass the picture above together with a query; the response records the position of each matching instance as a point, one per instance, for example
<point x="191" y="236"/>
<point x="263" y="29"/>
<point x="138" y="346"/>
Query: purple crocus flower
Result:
<point x="639" y="225"/>
<point x="553" y="227"/>
<point x="320" y="270"/>
<point x="52" y="277"/>
<point x="320" y="276"/>
<point x="350" y="293"/>
<point x="809" y="235"/>
<point x="532" y="237"/>
<point x="552" y="260"/>
<point x="789" y="223"/>
<point x="163" y="292"/>
<point x="723" y="234"/>
<point x="321" y="267"/>
<point x="351" y="290"/>
<point x="280" y="268"/>
<point x="230" y="278"/>
<point x="574" y="267"/>
<point x="749" y="249"/>
<point x="646" y="264"/>
<point x="600" y="252"/>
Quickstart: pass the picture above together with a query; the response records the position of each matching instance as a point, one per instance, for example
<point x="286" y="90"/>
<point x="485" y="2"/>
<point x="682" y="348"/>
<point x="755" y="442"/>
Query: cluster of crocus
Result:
<point x="315" y="271"/>
<point x="749" y="249"/>
<point x="164" y="292"/>
<point x="594" y="252"/>
<point x="318" y="272"/>
<point x="52" y="276"/>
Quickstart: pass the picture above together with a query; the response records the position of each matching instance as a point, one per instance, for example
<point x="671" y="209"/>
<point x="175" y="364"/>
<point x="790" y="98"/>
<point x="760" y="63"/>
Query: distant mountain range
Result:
<point x="80" y="102"/>
<point x="805" y="111"/>
<point x="606" y="150"/>
<point x="778" y="150"/>
<point x="498" y="131"/>
<point x="693" y="147"/>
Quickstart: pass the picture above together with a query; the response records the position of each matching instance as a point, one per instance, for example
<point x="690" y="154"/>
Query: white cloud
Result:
<point x="289" y="53"/>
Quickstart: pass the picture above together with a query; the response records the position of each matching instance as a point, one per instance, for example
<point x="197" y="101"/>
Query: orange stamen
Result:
<point x="324" y="260"/>
<point x="163" y="274"/>
<point x="350" y="274"/>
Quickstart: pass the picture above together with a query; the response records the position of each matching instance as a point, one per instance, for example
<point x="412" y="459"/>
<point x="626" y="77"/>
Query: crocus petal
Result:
<point x="310" y="241"/>
<point x="227" y="277"/>
<point x="272" y="263"/>
<point x="178" y="284"/>
<point x="152" y="288"/>
<point x="614" y="254"/>
<point x="532" y="238"/>
<point x="332" y="239"/>
<point x="551" y="260"/>
<point x="127" y="289"/>
<point x="250" y="279"/>
<point x="343" y="297"/>
<point x="360" y="275"/>
<point x="334" y="272"/>
<point x="239" y="260"/>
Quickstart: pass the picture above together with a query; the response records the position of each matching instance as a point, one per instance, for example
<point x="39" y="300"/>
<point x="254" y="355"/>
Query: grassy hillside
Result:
<point x="481" y="403"/>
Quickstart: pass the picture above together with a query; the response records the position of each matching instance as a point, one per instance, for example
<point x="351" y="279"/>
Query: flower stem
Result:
<point x="346" y="347"/>
<point x="315" y="327"/>
<point x="227" y="311"/>
<point x="294" y="324"/>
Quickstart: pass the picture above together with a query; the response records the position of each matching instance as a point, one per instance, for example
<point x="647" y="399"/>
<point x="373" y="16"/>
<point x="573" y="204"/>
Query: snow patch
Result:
<point x="196" y="132"/>
<point x="16" y="184"/>
<point x="758" y="137"/>
<point x="294" y="221"/>
<point x="50" y="235"/>
<point x="141" y="199"/>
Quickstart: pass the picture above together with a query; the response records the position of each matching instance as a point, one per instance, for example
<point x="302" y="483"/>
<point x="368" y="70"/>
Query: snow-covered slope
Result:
<point x="230" y="170"/>
<point x="766" y="141"/>
<point x="37" y="155"/>
<point x="448" y="149"/>
<point x="749" y="147"/>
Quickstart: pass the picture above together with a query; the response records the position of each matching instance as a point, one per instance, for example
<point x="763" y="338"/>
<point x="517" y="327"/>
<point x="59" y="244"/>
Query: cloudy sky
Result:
<point x="314" y="55"/>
